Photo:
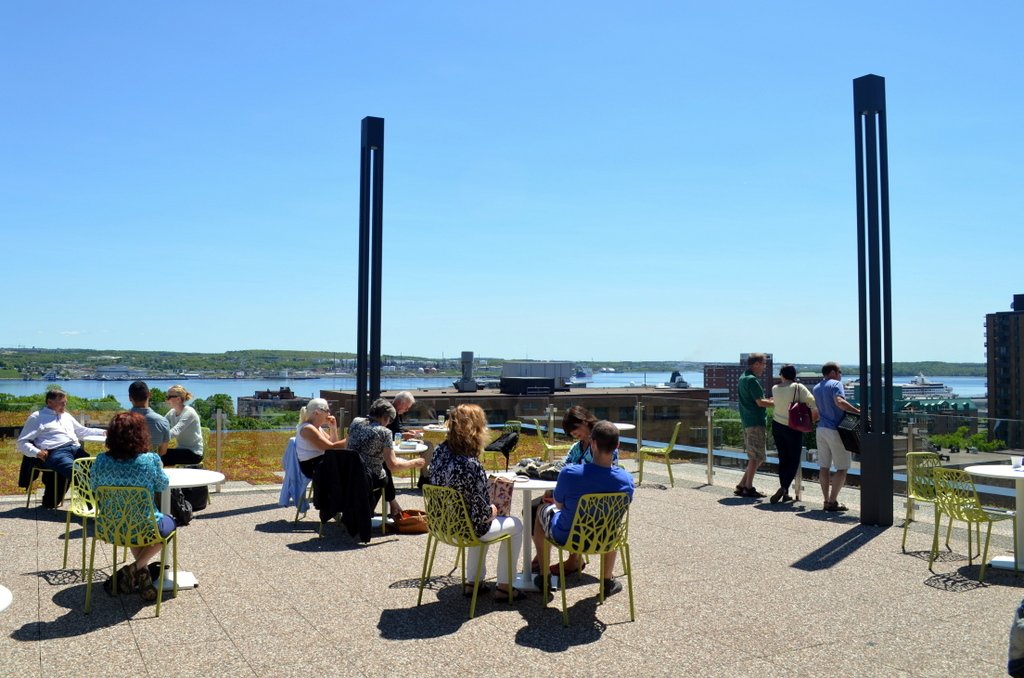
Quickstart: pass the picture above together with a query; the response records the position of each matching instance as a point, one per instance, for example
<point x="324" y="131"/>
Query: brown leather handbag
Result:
<point x="413" y="521"/>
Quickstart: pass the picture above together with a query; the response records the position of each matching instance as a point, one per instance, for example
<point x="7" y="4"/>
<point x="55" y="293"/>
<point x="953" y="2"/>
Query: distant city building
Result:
<point x="263" y="402"/>
<point x="722" y="378"/>
<point x="1004" y="353"/>
<point x="119" y="373"/>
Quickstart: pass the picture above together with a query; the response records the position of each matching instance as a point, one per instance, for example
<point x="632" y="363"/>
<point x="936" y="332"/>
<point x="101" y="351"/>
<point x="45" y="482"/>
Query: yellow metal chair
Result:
<point x="512" y="426"/>
<point x="601" y="524"/>
<point x="956" y="497"/>
<point x="921" y="487"/>
<point x="448" y="522"/>
<point x="81" y="504"/>
<point x="125" y="516"/>
<point x="666" y="452"/>
<point x="549" y="448"/>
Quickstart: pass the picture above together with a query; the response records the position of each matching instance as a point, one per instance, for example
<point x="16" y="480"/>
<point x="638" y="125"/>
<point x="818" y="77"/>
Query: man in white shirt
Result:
<point x="52" y="436"/>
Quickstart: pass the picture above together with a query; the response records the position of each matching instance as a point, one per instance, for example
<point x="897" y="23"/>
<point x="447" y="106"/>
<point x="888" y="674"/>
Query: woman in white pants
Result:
<point x="456" y="464"/>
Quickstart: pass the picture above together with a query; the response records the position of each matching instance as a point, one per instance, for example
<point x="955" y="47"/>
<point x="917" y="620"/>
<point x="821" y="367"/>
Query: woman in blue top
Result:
<point x="128" y="464"/>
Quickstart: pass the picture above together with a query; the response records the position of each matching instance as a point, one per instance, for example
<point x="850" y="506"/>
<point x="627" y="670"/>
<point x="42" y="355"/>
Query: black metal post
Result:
<point x="371" y="258"/>
<point x="875" y="300"/>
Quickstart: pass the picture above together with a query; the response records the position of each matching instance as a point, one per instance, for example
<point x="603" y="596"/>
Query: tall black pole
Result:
<point x="875" y="300"/>
<point x="371" y="258"/>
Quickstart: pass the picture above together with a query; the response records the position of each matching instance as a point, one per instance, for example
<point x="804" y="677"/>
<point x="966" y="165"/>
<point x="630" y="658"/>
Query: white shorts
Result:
<point x="831" y="451"/>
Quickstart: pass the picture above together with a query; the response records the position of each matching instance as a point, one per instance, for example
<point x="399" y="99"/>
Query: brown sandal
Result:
<point x="144" y="584"/>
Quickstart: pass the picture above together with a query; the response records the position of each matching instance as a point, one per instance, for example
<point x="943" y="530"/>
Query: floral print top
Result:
<point x="371" y="441"/>
<point x="467" y="475"/>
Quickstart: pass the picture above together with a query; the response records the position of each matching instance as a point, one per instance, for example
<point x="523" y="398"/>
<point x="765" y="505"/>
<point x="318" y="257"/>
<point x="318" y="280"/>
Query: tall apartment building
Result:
<point x="722" y="377"/>
<point x="1004" y="350"/>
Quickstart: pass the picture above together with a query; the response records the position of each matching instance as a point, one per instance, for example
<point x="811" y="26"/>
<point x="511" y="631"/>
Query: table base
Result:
<point x="1002" y="562"/>
<point x="186" y="580"/>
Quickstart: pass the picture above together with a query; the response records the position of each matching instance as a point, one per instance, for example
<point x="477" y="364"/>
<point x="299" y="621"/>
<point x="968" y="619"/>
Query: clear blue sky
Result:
<point x="571" y="180"/>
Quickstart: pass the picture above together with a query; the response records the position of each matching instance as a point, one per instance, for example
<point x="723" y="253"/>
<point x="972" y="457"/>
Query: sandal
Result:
<point x="144" y="583"/>
<point x="467" y="589"/>
<point x="125" y="580"/>
<point x="580" y="565"/>
<point x="502" y="596"/>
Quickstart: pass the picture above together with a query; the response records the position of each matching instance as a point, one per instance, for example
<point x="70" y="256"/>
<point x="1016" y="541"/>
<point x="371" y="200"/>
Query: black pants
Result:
<point x="180" y="455"/>
<point x="789" y="443"/>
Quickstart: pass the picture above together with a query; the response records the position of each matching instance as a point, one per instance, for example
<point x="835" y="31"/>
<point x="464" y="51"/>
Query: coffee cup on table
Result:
<point x="1016" y="461"/>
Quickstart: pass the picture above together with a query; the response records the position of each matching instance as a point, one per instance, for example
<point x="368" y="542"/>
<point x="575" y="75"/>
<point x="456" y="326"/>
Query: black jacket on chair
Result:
<point x="345" y="489"/>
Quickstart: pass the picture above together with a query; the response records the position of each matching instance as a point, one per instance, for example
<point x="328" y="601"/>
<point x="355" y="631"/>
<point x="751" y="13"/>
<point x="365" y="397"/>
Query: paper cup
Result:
<point x="1016" y="461"/>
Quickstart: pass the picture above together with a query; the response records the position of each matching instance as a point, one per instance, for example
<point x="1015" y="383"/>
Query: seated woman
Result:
<point x="310" y="440"/>
<point x="186" y="429"/>
<point x="128" y="464"/>
<point x="370" y="437"/>
<point x="456" y="464"/>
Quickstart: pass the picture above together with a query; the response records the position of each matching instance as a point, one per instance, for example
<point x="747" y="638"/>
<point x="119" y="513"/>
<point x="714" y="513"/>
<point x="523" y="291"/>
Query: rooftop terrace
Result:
<point x="724" y="587"/>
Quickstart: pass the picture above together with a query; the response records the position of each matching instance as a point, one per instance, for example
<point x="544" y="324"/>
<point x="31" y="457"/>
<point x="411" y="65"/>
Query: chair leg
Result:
<point x="88" y="577"/>
<point x="562" y="587"/>
<point x="85" y="534"/>
<point x="627" y="567"/>
<point x="935" y="542"/>
<point x="426" y="571"/>
<point x="984" y="557"/>
<point x="476" y="582"/>
<point x="668" y="465"/>
<point x="160" y="579"/>
<point x="67" y="531"/>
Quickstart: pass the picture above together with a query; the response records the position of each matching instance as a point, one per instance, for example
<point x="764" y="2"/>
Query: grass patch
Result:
<point x="250" y="456"/>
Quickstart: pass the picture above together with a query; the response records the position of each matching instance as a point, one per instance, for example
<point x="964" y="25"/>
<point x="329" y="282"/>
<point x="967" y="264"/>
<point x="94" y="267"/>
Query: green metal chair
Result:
<point x="666" y="452"/>
<point x="600" y="525"/>
<point x="126" y="516"/>
<point x="448" y="522"/>
<point x="957" y="498"/>
<point x="549" y="448"/>
<point x="81" y="504"/>
<point x="921" y="487"/>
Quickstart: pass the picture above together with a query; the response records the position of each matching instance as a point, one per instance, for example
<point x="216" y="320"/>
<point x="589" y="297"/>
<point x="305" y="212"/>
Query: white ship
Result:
<point x="918" y="387"/>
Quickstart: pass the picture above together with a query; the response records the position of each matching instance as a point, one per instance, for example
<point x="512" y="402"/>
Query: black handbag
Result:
<point x="849" y="431"/>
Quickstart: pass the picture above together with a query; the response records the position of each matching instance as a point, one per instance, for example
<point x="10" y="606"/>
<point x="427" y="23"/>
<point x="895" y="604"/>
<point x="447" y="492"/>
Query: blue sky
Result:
<point x="572" y="180"/>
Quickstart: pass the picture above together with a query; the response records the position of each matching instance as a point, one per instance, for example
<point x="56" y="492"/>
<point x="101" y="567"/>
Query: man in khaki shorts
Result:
<point x="830" y="396"/>
<point x="753" y="414"/>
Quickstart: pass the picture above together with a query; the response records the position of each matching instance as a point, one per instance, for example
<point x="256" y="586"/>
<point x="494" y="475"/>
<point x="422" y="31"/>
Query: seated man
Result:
<point x="51" y="435"/>
<point x="156" y="423"/>
<point x="576" y="480"/>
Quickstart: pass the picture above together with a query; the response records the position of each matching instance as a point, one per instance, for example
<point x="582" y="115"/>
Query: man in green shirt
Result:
<point x="753" y="416"/>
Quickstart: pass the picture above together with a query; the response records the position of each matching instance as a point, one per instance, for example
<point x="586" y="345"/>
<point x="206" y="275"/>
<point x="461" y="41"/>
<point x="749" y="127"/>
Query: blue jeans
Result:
<point x="61" y="459"/>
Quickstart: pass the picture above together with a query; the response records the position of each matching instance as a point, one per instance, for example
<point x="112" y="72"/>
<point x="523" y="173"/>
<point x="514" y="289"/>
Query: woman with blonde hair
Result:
<point x="185" y="428"/>
<point x="310" y="439"/>
<point x="456" y="464"/>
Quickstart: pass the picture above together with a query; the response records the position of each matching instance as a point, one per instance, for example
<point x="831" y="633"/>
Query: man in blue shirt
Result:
<point x="576" y="480"/>
<point x="159" y="429"/>
<point x="830" y="397"/>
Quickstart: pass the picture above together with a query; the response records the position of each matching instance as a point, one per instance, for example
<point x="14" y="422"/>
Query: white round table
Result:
<point x="624" y="427"/>
<point x="524" y="580"/>
<point x="1006" y="472"/>
<point x="436" y="428"/>
<point x="410" y="453"/>
<point x="181" y="478"/>
<point x="187" y="477"/>
<point x="5" y="598"/>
